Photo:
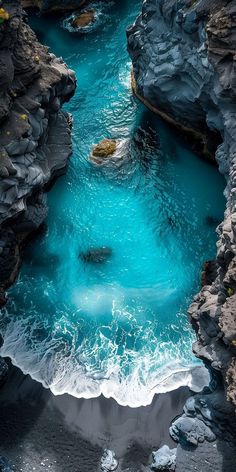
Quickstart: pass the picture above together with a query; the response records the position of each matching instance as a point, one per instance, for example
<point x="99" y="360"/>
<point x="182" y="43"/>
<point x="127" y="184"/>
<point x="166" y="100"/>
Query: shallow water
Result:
<point x="120" y="327"/>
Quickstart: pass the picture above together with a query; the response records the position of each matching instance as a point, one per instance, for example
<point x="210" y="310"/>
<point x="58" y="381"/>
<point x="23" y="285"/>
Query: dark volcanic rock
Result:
<point x="3" y="371"/>
<point x="34" y="134"/>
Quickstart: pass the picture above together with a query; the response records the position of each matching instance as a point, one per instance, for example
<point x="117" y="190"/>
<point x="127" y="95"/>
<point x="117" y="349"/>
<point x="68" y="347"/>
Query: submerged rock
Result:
<point x="83" y="19"/>
<point x="164" y="459"/>
<point x="96" y="255"/>
<point x="109" y="461"/>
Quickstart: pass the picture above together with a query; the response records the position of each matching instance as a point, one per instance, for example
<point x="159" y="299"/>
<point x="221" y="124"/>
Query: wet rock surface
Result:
<point x="35" y="138"/>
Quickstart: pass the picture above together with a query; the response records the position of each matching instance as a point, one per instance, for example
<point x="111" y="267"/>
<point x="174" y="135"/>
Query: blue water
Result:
<point x="120" y="327"/>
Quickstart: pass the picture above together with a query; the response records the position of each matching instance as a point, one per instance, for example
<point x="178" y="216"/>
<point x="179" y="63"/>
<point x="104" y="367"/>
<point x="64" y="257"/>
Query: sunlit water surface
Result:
<point x="119" y="327"/>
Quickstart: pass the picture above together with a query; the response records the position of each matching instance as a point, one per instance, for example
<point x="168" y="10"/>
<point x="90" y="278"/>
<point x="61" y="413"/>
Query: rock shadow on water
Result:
<point x="212" y="221"/>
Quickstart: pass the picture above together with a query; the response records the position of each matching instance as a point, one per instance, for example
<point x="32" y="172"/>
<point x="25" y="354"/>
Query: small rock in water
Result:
<point x="83" y="19"/>
<point x="103" y="150"/>
<point x="164" y="459"/>
<point x="109" y="461"/>
<point x="96" y="255"/>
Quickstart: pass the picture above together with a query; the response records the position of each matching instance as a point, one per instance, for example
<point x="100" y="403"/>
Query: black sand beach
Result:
<point x="63" y="434"/>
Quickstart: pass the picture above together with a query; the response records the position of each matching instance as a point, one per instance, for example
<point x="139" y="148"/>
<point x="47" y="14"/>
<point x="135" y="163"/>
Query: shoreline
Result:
<point x="63" y="433"/>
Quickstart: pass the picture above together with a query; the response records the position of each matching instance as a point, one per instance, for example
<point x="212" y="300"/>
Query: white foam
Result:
<point x="66" y="369"/>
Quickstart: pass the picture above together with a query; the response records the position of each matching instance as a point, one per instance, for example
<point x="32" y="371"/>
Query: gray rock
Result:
<point x="164" y="459"/>
<point x="191" y="431"/>
<point x="109" y="461"/>
<point x="35" y="141"/>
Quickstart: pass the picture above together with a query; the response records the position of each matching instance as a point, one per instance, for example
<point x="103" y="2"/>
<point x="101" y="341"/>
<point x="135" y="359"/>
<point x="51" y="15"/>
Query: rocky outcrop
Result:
<point x="184" y="68"/>
<point x="35" y="138"/>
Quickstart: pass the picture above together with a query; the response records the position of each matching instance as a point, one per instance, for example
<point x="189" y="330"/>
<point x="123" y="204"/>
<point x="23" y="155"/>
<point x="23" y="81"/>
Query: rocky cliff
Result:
<point x="184" y="69"/>
<point x="35" y="138"/>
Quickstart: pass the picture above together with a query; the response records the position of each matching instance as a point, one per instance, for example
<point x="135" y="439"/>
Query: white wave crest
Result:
<point x="64" y="368"/>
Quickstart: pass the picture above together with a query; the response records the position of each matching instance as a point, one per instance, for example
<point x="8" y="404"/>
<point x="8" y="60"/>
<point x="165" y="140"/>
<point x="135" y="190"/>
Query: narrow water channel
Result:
<point x="118" y="327"/>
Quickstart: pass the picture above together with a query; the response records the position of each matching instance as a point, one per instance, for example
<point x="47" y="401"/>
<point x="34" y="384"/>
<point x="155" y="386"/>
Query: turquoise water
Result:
<point x="119" y="327"/>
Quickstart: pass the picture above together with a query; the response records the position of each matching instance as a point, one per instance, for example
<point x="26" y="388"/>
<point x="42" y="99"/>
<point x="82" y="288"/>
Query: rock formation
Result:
<point x="164" y="459"/>
<point x="184" y="69"/>
<point x="35" y="138"/>
<point x="83" y="19"/>
<point x="103" y="151"/>
<point x="108" y="461"/>
<point x="105" y="148"/>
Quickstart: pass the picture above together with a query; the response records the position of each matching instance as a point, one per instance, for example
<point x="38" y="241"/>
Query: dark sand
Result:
<point x="42" y="432"/>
